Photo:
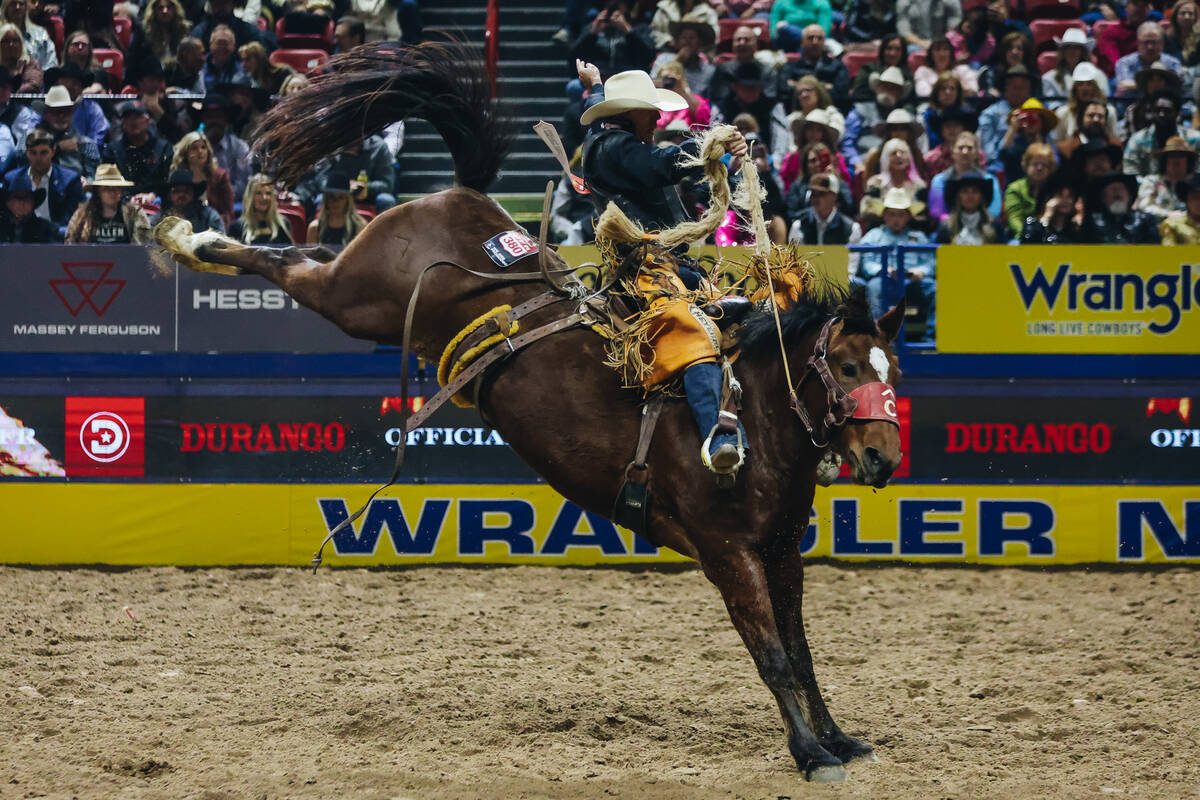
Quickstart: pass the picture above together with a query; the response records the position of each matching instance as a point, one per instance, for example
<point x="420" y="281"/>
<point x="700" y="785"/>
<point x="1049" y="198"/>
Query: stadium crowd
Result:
<point x="871" y="122"/>
<point x="115" y="115"/>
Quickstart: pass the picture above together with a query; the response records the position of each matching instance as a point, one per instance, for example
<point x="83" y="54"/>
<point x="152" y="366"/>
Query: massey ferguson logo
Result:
<point x="88" y="285"/>
<point x="106" y="436"/>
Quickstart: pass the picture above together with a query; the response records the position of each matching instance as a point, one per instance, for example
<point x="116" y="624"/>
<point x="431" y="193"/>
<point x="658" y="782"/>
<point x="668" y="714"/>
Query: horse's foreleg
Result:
<point x="741" y="578"/>
<point x="784" y="569"/>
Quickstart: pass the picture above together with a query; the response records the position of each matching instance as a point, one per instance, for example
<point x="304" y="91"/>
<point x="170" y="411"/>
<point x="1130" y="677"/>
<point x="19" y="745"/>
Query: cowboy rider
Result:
<point x="621" y="164"/>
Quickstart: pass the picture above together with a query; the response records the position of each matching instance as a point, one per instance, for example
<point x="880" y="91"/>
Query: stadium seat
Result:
<point x="123" y="26"/>
<point x="368" y="211"/>
<point x="294" y="214"/>
<point x="1052" y="9"/>
<point x="1044" y="31"/>
<point x="112" y="62"/>
<point x="916" y="59"/>
<point x="58" y="34"/>
<point x="726" y="27"/>
<point x="302" y="61"/>
<point x="1046" y="61"/>
<point x="855" y="59"/>
<point x="1100" y="26"/>
<point x="305" y="41"/>
<point x="263" y="23"/>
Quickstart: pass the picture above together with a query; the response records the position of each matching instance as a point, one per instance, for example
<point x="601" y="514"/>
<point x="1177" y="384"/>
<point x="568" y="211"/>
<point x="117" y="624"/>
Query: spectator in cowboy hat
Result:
<point x="1109" y="216"/>
<point x="1074" y="48"/>
<point x="690" y="40"/>
<point x="1016" y="86"/>
<point x="338" y="221"/>
<point x="1032" y="123"/>
<point x="64" y="190"/>
<point x="72" y="149"/>
<point x="1158" y="193"/>
<point x="964" y="159"/>
<point x="140" y="154"/>
<point x="1148" y="55"/>
<point x="1056" y="218"/>
<point x="891" y="53"/>
<point x="899" y="208"/>
<point x="901" y="124"/>
<point x="1139" y="152"/>
<point x="230" y="150"/>
<point x="18" y="223"/>
<point x="89" y="118"/>
<point x="184" y="197"/>
<point x="1092" y="121"/>
<point x="247" y="103"/>
<point x="1183" y="227"/>
<point x="15" y="58"/>
<point x="670" y="13"/>
<point x="747" y="97"/>
<point x="968" y="197"/>
<point x="820" y="222"/>
<point x="1086" y="84"/>
<point x="1093" y="158"/>
<point x="1149" y="81"/>
<point x="890" y="88"/>
<point x="106" y="218"/>
<point x="947" y="125"/>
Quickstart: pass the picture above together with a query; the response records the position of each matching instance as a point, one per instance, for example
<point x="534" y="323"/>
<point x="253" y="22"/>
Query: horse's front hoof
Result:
<point x="847" y="748"/>
<point x="827" y="773"/>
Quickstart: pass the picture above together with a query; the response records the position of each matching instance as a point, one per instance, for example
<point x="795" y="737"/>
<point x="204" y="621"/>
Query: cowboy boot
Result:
<point x="720" y="452"/>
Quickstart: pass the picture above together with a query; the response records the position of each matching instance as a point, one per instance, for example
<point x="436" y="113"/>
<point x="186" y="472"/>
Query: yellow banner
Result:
<point x="201" y="525"/>
<point x="1064" y="299"/>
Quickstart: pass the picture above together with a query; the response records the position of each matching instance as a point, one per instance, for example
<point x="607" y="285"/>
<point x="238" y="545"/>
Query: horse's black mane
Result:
<point x="825" y="300"/>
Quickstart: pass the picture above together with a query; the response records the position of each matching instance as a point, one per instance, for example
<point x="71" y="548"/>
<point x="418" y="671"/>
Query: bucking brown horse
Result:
<point x="555" y="402"/>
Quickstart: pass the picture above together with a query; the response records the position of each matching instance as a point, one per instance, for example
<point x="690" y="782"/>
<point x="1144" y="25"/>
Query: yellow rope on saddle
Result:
<point x="448" y="371"/>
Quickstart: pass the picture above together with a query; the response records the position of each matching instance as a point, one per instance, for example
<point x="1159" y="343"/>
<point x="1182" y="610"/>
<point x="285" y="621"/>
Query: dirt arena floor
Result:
<point x="559" y="683"/>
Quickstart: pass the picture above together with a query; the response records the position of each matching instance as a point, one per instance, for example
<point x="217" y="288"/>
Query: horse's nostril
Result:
<point x="873" y="458"/>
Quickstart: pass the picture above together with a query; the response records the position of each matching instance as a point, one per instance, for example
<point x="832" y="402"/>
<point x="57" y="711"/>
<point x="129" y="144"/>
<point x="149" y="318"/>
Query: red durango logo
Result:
<point x="1048" y="437"/>
<point x="236" y="437"/>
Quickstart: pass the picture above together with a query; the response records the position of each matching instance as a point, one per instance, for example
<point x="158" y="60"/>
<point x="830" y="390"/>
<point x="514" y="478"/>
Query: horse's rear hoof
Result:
<point x="827" y="773"/>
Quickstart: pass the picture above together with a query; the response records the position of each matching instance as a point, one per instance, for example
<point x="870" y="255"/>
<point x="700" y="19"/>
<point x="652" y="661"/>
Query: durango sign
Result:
<point x="1063" y="299"/>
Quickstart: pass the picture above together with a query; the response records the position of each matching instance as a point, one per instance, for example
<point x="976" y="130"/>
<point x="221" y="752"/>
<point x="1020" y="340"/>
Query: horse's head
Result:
<point x="863" y="364"/>
<point x="846" y="397"/>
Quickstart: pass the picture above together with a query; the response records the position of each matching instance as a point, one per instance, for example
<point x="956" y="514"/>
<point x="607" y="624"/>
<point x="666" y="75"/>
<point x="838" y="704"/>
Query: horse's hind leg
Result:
<point x="784" y="569"/>
<point x="741" y="578"/>
<point x="302" y="273"/>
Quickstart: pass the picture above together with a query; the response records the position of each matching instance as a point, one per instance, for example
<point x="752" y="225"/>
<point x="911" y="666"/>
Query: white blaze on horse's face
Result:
<point x="879" y="361"/>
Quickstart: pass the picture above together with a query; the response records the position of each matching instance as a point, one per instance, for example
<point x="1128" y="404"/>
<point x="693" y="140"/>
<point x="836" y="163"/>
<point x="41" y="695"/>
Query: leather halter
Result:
<point x="841" y="404"/>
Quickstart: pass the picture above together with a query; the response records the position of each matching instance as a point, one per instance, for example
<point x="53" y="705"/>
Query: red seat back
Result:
<point x="112" y="62"/>
<point x="305" y="41"/>
<point x="58" y="34"/>
<point x="302" y="61"/>
<point x="916" y="59"/>
<point x="294" y="214"/>
<point x="1052" y="9"/>
<point x="1047" y="61"/>
<point x="1044" y="31"/>
<point x="855" y="59"/>
<point x="123" y="26"/>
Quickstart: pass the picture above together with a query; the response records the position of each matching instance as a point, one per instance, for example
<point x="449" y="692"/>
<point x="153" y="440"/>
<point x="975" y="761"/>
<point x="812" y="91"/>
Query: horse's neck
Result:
<point x="766" y="408"/>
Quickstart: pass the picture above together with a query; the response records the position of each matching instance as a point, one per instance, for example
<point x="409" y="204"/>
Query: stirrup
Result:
<point x="728" y="459"/>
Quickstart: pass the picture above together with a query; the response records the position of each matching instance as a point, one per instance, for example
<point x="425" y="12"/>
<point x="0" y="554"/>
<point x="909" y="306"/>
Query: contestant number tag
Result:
<point x="505" y="249"/>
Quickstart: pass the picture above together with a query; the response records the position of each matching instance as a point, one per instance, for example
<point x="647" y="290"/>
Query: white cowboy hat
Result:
<point x="110" y="175"/>
<point x="1075" y="36"/>
<point x="891" y="75"/>
<point x="900" y="116"/>
<point x="632" y="90"/>
<point x="898" y="199"/>
<point x="1087" y="71"/>
<point x="822" y="117"/>
<point x="57" y="97"/>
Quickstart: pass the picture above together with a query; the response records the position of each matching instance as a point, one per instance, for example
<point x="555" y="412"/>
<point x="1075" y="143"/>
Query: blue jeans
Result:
<point x="384" y="201"/>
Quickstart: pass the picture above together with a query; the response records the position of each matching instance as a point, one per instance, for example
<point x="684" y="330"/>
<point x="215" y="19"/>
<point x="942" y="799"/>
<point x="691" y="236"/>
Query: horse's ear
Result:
<point x="889" y="323"/>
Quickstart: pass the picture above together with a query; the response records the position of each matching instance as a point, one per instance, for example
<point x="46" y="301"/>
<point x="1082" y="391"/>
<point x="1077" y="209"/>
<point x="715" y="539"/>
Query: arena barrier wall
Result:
<point x="214" y="524"/>
<point x="1061" y="299"/>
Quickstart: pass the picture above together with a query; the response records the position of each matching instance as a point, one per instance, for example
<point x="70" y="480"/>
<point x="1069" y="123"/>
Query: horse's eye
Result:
<point x="849" y="370"/>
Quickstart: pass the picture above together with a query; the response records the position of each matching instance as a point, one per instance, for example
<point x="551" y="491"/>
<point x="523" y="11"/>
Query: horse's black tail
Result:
<point x="371" y="87"/>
